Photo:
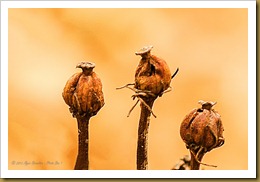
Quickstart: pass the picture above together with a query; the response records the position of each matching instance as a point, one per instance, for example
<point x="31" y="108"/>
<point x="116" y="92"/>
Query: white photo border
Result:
<point x="250" y="173"/>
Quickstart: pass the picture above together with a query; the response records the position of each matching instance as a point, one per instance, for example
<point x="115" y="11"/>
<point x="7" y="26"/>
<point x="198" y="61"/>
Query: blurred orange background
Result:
<point x="208" y="45"/>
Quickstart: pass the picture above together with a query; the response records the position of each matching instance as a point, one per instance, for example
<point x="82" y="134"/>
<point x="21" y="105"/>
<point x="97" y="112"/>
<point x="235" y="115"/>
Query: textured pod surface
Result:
<point x="70" y="88"/>
<point x="83" y="92"/>
<point x="202" y="128"/>
<point x="185" y="130"/>
<point x="89" y="94"/>
<point x="152" y="74"/>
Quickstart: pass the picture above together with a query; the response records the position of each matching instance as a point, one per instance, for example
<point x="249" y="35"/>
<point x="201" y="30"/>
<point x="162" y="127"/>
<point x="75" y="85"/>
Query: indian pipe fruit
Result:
<point x="83" y="93"/>
<point x="202" y="131"/>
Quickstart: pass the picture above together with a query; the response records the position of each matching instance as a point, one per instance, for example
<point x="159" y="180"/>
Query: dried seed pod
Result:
<point x="202" y="130"/>
<point x="152" y="79"/>
<point x="152" y="74"/>
<point x="83" y="91"/>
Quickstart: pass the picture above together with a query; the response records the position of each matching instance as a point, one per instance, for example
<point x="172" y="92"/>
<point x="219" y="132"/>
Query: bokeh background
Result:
<point x="208" y="45"/>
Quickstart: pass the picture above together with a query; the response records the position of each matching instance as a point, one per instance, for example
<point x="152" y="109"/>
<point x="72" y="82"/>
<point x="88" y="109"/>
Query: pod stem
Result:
<point x="142" y="143"/>
<point x="196" y="157"/>
<point x="82" y="162"/>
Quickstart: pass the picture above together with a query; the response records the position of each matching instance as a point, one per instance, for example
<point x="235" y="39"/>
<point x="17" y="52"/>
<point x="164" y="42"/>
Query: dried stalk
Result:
<point x="142" y="145"/>
<point x="196" y="157"/>
<point x="202" y="131"/>
<point x="82" y="162"/>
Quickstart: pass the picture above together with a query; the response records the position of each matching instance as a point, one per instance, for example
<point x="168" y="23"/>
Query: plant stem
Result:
<point x="194" y="163"/>
<point x="82" y="162"/>
<point x="142" y="144"/>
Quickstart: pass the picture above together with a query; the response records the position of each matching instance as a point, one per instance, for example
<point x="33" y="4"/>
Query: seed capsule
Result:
<point x="83" y="92"/>
<point x="202" y="128"/>
<point x="152" y="74"/>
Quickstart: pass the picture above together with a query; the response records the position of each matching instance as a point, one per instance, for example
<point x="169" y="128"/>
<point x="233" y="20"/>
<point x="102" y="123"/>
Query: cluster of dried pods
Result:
<point x="201" y="130"/>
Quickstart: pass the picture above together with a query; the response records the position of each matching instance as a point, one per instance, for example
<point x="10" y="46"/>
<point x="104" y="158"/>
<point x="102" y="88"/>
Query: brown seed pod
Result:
<point x="152" y="74"/>
<point x="83" y="91"/>
<point x="152" y="79"/>
<point x="202" y="129"/>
